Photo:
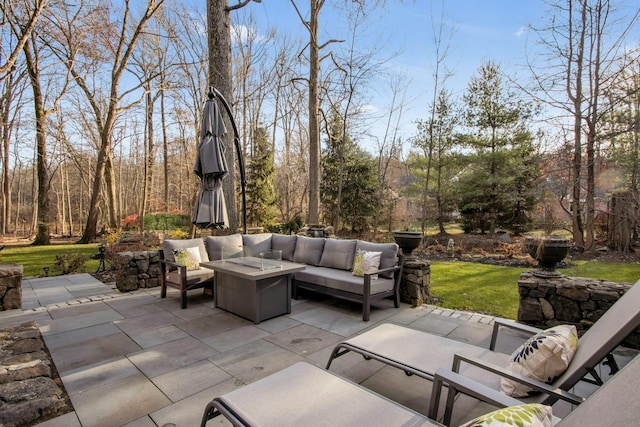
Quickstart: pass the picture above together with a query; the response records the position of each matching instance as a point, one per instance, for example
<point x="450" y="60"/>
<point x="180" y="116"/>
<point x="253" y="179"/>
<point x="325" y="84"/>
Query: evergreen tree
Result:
<point x="348" y="185"/>
<point x="261" y="199"/>
<point x="496" y="190"/>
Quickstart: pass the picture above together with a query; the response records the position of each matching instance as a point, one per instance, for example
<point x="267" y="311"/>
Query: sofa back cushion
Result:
<point x="169" y="246"/>
<point x="338" y="254"/>
<point x="230" y="246"/>
<point x="284" y="243"/>
<point x="308" y="250"/>
<point x="256" y="243"/>
<point x="389" y="251"/>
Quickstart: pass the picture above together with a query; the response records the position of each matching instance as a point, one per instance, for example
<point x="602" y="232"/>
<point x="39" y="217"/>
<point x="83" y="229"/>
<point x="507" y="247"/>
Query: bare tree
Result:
<point x="121" y="38"/>
<point x="311" y="24"/>
<point x="389" y="148"/>
<point x="13" y="86"/>
<point x="22" y="20"/>
<point x="580" y="50"/>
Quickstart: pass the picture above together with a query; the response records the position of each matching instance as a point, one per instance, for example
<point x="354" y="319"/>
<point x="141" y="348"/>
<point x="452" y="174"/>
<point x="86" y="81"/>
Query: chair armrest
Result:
<point x="511" y="325"/>
<point x="173" y="266"/>
<point x="384" y="270"/>
<point x="457" y="383"/>
<point x="505" y="373"/>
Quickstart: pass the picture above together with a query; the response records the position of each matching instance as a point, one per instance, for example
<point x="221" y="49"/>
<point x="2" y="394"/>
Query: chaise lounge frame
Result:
<point x="422" y="354"/>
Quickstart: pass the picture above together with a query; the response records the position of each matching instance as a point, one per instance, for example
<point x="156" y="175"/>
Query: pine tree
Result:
<point x="261" y="199"/>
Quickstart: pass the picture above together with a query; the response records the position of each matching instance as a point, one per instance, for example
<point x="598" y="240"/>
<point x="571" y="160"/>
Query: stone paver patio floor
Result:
<point x="138" y="360"/>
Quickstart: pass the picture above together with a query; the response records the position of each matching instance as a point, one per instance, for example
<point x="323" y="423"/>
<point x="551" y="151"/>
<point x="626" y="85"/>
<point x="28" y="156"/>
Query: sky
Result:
<point x="480" y="30"/>
<point x="403" y="30"/>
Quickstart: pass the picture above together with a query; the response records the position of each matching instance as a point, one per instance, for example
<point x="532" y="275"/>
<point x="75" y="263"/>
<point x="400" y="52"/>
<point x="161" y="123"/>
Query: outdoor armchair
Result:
<point x="184" y="276"/>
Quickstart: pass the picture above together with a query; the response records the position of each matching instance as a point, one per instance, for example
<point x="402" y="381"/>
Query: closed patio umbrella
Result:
<point x="210" y="210"/>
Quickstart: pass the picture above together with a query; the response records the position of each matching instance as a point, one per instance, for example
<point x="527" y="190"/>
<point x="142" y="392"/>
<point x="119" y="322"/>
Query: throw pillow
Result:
<point x="188" y="257"/>
<point x="366" y="262"/>
<point x="389" y="256"/>
<point x="532" y="414"/>
<point x="543" y="357"/>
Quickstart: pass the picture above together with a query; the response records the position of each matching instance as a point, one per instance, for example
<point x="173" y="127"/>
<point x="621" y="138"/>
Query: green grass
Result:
<point x="34" y="258"/>
<point x="494" y="289"/>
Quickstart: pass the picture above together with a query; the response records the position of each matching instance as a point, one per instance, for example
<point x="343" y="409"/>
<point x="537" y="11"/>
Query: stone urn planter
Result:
<point x="548" y="251"/>
<point x="408" y="241"/>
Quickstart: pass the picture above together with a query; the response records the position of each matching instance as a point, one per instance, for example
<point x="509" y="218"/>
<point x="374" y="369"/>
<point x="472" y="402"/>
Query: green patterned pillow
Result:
<point x="188" y="257"/>
<point x="366" y="262"/>
<point x="529" y="415"/>
<point x="543" y="357"/>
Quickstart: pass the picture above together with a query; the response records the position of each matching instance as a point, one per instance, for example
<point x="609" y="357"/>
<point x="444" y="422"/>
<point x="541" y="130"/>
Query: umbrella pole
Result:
<point x="236" y="140"/>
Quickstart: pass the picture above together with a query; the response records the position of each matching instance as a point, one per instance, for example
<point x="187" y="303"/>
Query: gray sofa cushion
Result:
<point x="389" y="253"/>
<point x="169" y="245"/>
<point x="342" y="280"/>
<point x="284" y="243"/>
<point x="338" y="254"/>
<point x="256" y="243"/>
<point x="229" y="246"/>
<point x="308" y="250"/>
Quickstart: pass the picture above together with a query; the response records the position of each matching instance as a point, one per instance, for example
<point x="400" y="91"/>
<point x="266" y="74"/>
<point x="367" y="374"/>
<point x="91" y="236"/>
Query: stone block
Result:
<point x="566" y="309"/>
<point x="605" y="295"/>
<point x="547" y="309"/>
<point x="530" y="310"/>
<point x="575" y="292"/>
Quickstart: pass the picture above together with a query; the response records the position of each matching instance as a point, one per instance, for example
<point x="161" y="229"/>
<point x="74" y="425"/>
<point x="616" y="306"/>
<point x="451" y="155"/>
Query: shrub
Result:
<point x="290" y="227"/>
<point x="166" y="221"/>
<point x="70" y="263"/>
<point x="130" y="221"/>
<point x="178" y="234"/>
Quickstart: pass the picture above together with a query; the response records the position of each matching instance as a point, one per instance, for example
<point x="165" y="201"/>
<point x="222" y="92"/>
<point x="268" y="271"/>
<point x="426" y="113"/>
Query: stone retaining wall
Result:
<point x="10" y="286"/>
<point x="550" y="301"/>
<point x="415" y="286"/>
<point x="30" y="389"/>
<point x="136" y="270"/>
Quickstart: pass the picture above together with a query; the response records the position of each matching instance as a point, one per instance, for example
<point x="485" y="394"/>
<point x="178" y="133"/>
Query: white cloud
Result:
<point x="521" y="31"/>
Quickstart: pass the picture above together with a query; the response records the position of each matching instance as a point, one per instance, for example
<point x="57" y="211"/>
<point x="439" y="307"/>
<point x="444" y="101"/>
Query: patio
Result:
<point x="137" y="360"/>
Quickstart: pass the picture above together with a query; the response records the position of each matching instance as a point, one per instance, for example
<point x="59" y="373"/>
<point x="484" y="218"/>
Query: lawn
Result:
<point x="494" y="289"/>
<point x="35" y="258"/>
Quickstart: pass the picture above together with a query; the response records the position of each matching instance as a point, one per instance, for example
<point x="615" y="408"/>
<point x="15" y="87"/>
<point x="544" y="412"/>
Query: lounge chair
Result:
<point x="420" y="353"/>
<point x="305" y="395"/>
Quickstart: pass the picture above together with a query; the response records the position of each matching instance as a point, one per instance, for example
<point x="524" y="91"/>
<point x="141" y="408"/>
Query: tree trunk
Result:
<point x="165" y="148"/>
<point x="42" y="168"/>
<point x="91" y="229"/>
<point x="219" y="35"/>
<point x="148" y="160"/>
<point x="621" y="221"/>
<point x="6" y="145"/>
<point x="314" y="133"/>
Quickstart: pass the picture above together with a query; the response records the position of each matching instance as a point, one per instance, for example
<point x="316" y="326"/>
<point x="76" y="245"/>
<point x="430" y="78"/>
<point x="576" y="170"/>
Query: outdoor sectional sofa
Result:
<point x="329" y="264"/>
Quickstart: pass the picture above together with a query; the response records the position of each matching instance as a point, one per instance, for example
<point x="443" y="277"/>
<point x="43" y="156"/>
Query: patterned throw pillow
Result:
<point x="529" y="415"/>
<point x="366" y="262"/>
<point x="543" y="357"/>
<point x="188" y="257"/>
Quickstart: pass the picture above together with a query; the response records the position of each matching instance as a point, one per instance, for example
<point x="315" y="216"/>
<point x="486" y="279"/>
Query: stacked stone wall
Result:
<point x="10" y="286"/>
<point x="549" y="301"/>
<point x="136" y="270"/>
<point x="415" y="287"/>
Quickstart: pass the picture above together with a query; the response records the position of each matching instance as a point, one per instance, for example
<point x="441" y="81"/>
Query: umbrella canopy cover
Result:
<point x="210" y="210"/>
